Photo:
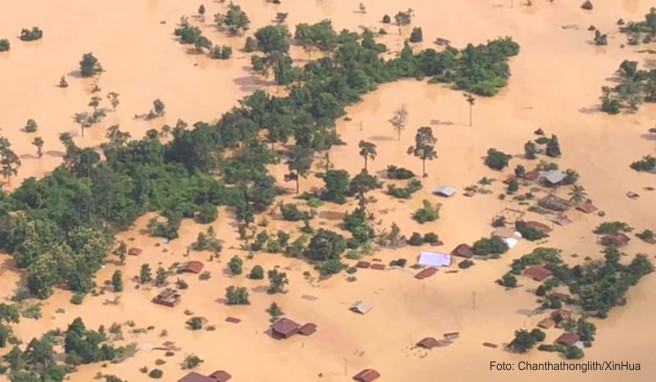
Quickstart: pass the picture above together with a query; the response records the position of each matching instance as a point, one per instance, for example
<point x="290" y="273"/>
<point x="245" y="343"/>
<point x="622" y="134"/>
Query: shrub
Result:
<point x="399" y="173"/>
<point x="31" y="126"/>
<point x="257" y="273"/>
<point x="509" y="280"/>
<point x="465" y="264"/>
<point x="291" y="212"/>
<point x="431" y="238"/>
<point x="492" y="246"/>
<point x="195" y="323"/>
<point x="31" y="34"/>
<point x="77" y="298"/>
<point x="416" y="35"/>
<point x="237" y="295"/>
<point x="428" y="213"/>
<point x="646" y="164"/>
<point x="387" y="19"/>
<point x="587" y="5"/>
<point x="4" y="45"/>
<point x="331" y="267"/>
<point x="89" y="65"/>
<point x="236" y="265"/>
<point x="497" y="160"/>
<point x="528" y="232"/>
<point x="612" y="227"/>
<point x="416" y="239"/>
<point x="406" y="192"/>
<point x="398" y="263"/>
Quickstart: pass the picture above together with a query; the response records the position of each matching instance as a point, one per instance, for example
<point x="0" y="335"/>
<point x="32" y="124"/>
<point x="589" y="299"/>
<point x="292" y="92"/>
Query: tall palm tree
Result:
<point x="367" y="150"/>
<point x="578" y="194"/>
<point x="471" y="101"/>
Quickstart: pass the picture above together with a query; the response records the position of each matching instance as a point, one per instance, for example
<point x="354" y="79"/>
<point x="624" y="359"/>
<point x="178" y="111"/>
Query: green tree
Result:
<point x="236" y="265"/>
<point x="336" y="186"/>
<point x="416" y="35"/>
<point x="403" y="18"/>
<point x="530" y="150"/>
<point x="273" y="38"/>
<point x="235" y="19"/>
<point x="497" y="160"/>
<point x="367" y="150"/>
<point x="325" y="245"/>
<point x="277" y="281"/>
<point x="145" y="274"/>
<point x="121" y="251"/>
<point x="578" y="194"/>
<point x="523" y="341"/>
<point x="237" y="295"/>
<point x="201" y="10"/>
<point x="160" y="276"/>
<point x="471" y="101"/>
<point x="31" y="126"/>
<point x="191" y="361"/>
<point x="113" y="99"/>
<point x="38" y="143"/>
<point x="553" y="147"/>
<point x="90" y="66"/>
<point x="4" y="45"/>
<point x="299" y="164"/>
<point x="257" y="273"/>
<point x="9" y="161"/>
<point x="320" y="36"/>
<point x="275" y="312"/>
<point x="572" y="352"/>
<point x="117" y="281"/>
<point x="62" y="82"/>
<point x="424" y="147"/>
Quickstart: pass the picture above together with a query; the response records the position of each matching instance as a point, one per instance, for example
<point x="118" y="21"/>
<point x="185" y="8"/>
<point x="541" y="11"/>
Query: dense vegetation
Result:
<point x="635" y="87"/>
<point x="641" y="31"/>
<point x="60" y="226"/>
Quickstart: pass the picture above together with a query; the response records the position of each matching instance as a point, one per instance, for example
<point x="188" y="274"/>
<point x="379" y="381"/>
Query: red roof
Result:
<point x="538" y="226"/>
<point x="135" y="251"/>
<point x="195" y="377"/>
<point x="366" y="375"/>
<point x="233" y="320"/>
<point x="564" y="297"/>
<point x="426" y="273"/>
<point x="615" y="239"/>
<point x="191" y="267"/>
<point x="363" y="264"/>
<point x="546" y="323"/>
<point x="568" y="339"/>
<point x="463" y="250"/>
<point x="537" y="272"/>
<point x="220" y="376"/>
<point x="587" y="207"/>
<point x="562" y="313"/>
<point x="285" y="327"/>
<point x="308" y="329"/>
<point x="428" y="343"/>
<point x="378" y="267"/>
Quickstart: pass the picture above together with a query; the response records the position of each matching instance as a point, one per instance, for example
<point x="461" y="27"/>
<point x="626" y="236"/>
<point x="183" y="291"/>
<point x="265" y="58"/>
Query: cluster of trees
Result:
<point x="528" y="232"/>
<point x="234" y="20"/>
<point x="497" y="160"/>
<point x="192" y="35"/>
<point x="61" y="225"/>
<point x="542" y="145"/>
<point x="525" y="340"/>
<point x="427" y="213"/>
<point x="646" y="164"/>
<point x="31" y="34"/>
<point x="641" y="31"/>
<point x="493" y="246"/>
<point x="636" y="86"/>
<point x="406" y="192"/>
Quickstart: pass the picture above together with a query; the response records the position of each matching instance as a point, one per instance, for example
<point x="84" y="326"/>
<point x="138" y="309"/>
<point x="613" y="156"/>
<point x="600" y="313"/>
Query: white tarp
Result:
<point x="511" y="242"/>
<point x="434" y="259"/>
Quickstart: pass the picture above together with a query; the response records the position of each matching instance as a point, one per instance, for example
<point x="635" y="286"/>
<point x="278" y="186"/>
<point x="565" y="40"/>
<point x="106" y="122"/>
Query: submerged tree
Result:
<point x="90" y="66"/>
<point x="299" y="164"/>
<point x="578" y="194"/>
<point x="9" y="161"/>
<point x="424" y="147"/>
<point x="113" y="99"/>
<point x="471" y="101"/>
<point x="235" y="20"/>
<point x="367" y="150"/>
<point x="38" y="143"/>
<point x="399" y="120"/>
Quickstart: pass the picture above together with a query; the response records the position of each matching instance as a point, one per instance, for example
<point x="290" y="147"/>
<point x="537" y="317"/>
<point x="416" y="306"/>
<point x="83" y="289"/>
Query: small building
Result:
<point x="366" y="375"/>
<point x="284" y="328"/>
<point x="217" y="376"/>
<point x="532" y="175"/>
<point x="568" y="339"/>
<point x="190" y="267"/>
<point x="537" y="272"/>
<point x="232" y="320"/>
<point x="509" y="235"/>
<point x="541" y="227"/>
<point x="363" y="264"/>
<point x="220" y="376"/>
<point x="434" y="259"/>
<point x="615" y="240"/>
<point x="426" y="273"/>
<point x="196" y="377"/>
<point x="586" y="207"/>
<point x="562" y="220"/>
<point x="546" y="323"/>
<point x="445" y="191"/>
<point x="428" y="343"/>
<point x="463" y="250"/>
<point x="553" y="178"/>
<point x="308" y="329"/>
<point x="135" y="251"/>
<point x="361" y="307"/>
<point x="554" y="203"/>
<point x="378" y="267"/>
<point x="169" y="297"/>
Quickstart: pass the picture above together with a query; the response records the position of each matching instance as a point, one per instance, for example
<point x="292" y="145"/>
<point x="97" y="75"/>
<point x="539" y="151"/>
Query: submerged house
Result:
<point x="366" y="375"/>
<point x="284" y="328"/>
<point x="554" y="203"/>
<point x="434" y="259"/>
<point x="361" y="307"/>
<point x="445" y="191"/>
<point x="169" y="297"/>
<point x="463" y="250"/>
<point x="190" y="267"/>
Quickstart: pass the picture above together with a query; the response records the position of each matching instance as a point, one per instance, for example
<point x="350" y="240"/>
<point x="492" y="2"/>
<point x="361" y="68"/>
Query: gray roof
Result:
<point x="361" y="307"/>
<point x="554" y="176"/>
<point x="445" y="191"/>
